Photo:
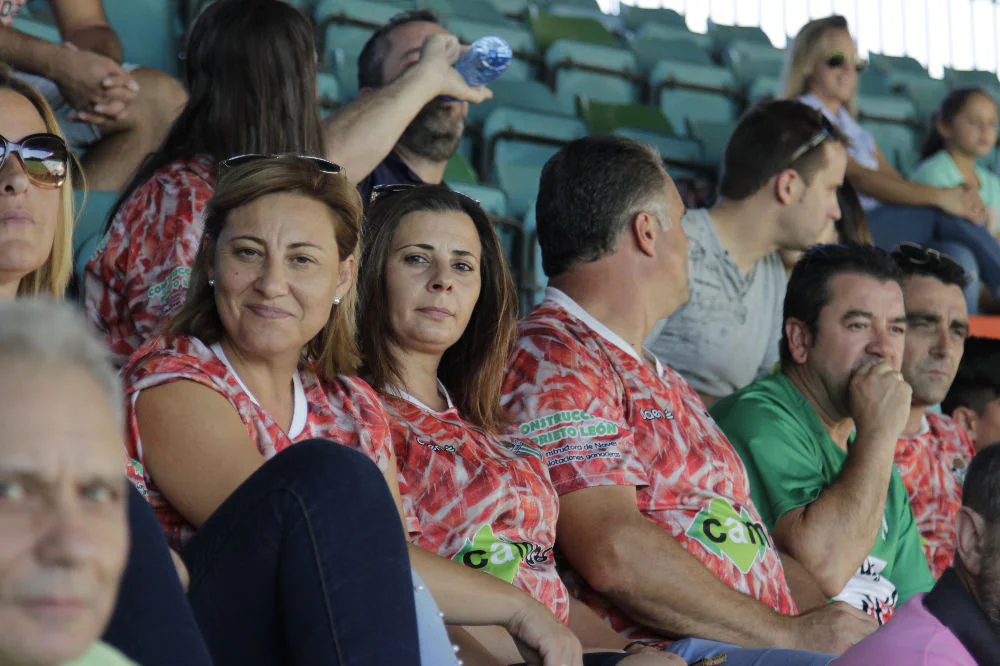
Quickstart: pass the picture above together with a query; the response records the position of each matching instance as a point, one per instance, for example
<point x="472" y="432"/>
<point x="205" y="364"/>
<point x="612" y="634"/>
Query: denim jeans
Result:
<point x="970" y="245"/>
<point x="306" y="563"/>
<point x="694" y="649"/>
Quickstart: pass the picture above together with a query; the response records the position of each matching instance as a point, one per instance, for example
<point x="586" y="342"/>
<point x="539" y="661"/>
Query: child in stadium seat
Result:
<point x="438" y="309"/>
<point x="962" y="131"/>
<point x="822" y="71"/>
<point x="251" y="72"/>
<point x="656" y="521"/>
<point x="36" y="196"/>
<point x="261" y="356"/>
<point x="934" y="450"/>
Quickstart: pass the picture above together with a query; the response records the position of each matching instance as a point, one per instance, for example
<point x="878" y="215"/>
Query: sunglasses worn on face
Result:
<point x="325" y="166"/>
<point x="44" y="158"/>
<point x="837" y="60"/>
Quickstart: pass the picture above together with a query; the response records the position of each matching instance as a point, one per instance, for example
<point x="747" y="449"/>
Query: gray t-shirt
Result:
<point x="727" y="334"/>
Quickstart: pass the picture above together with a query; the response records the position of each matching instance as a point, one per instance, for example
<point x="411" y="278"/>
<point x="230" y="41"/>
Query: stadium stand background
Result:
<point x="641" y="73"/>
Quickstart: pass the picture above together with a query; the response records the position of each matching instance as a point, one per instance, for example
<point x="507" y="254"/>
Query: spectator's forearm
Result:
<point x="98" y="39"/>
<point x="30" y="54"/>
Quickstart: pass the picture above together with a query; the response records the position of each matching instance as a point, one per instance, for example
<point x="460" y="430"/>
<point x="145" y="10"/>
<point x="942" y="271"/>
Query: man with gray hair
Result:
<point x="63" y="494"/>
<point x="659" y="532"/>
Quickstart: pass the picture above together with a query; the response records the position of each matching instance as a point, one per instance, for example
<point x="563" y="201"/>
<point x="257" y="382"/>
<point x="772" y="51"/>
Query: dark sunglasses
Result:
<point x="919" y="255"/>
<point x="827" y="131"/>
<point x="837" y="60"/>
<point x="44" y="158"/>
<point x="326" y="166"/>
<point x="382" y="191"/>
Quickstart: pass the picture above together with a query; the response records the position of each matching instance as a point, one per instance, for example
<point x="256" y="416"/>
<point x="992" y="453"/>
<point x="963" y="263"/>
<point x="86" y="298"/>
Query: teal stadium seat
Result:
<point x="895" y="109"/>
<point x="461" y="177"/>
<point x="92" y="216"/>
<point x="598" y="72"/>
<point x="512" y="8"/>
<point x="749" y="61"/>
<point x="958" y="77"/>
<point x="330" y="97"/>
<point x="148" y="31"/>
<point x="643" y="123"/>
<point x="651" y="50"/>
<point x="342" y="45"/>
<point x="666" y="33"/>
<point x="765" y="88"/>
<point x="713" y="136"/>
<point x="926" y="95"/>
<point x="634" y="18"/>
<point x="724" y="35"/>
<point x="514" y="94"/>
<point x="897" y="141"/>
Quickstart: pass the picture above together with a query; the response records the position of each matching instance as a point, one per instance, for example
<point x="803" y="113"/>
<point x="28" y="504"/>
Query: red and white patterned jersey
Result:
<point x="932" y="464"/>
<point x="605" y="417"/>
<point x="139" y="274"/>
<point x="476" y="498"/>
<point x="346" y="410"/>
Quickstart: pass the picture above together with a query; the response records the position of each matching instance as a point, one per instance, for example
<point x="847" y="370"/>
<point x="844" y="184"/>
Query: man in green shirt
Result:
<point x="818" y="437"/>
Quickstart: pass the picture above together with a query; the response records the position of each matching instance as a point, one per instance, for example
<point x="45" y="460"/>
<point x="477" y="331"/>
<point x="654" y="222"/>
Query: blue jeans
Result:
<point x="970" y="245"/>
<point x="693" y="649"/>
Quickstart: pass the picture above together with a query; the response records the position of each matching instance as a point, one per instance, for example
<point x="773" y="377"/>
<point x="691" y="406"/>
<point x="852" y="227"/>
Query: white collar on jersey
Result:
<point x="300" y="408"/>
<point x="571" y="306"/>
<point x="925" y="425"/>
<point x="400" y="393"/>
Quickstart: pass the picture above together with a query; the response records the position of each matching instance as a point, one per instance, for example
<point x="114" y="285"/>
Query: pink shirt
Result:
<point x="914" y="637"/>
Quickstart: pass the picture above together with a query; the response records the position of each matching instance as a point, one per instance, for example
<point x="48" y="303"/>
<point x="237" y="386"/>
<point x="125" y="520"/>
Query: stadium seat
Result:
<point x="147" y="30"/>
<point x="328" y="88"/>
<point x="926" y="95"/>
<point x="666" y="33"/>
<point x="519" y="137"/>
<point x="604" y="118"/>
<point x="680" y="105"/>
<point x="973" y="77"/>
<point x="520" y="181"/>
<point x="897" y="141"/>
<point x="634" y="18"/>
<point x="724" y="35"/>
<point x="765" y="88"/>
<point x="342" y="45"/>
<point x="549" y="28"/>
<point x="512" y="8"/>
<point x="888" y="109"/>
<point x="482" y="12"/>
<point x="651" y="50"/>
<point x="525" y="95"/>
<point x="37" y="27"/>
<point x="669" y="75"/>
<point x="749" y="60"/>
<point x="888" y="64"/>
<point x="534" y="282"/>
<point x="712" y="135"/>
<point x="873" y="82"/>
<point x="363" y="13"/>
<point x="92" y="217"/>
<point x="604" y="73"/>
<point x="461" y="177"/>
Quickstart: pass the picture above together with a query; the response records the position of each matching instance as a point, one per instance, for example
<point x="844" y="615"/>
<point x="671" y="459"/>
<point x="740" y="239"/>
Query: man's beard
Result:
<point x="435" y="132"/>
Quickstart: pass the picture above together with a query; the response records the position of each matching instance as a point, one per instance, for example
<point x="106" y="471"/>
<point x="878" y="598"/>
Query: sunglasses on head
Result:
<point x="827" y="131"/>
<point x="44" y="158"/>
<point x="326" y="166"/>
<point x="837" y="60"/>
<point x="381" y="191"/>
<point x="919" y="255"/>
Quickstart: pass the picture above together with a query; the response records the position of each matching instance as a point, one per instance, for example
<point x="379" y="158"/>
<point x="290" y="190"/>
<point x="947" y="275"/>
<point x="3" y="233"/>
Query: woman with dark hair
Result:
<point x="251" y="76"/>
<point x="437" y="311"/>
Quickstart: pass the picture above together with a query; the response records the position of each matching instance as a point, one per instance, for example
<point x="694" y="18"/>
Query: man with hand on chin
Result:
<point x="818" y="438"/>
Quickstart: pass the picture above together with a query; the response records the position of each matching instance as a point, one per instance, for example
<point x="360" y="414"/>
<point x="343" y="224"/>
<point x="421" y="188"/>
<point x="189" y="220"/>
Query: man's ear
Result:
<point x="799" y="339"/>
<point x="787" y="186"/>
<point x="967" y="418"/>
<point x="645" y="227"/>
<point x="970" y="532"/>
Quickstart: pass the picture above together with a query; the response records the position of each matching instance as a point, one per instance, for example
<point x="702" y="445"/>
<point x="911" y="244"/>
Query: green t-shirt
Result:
<point x="791" y="459"/>
<point x="940" y="170"/>
<point x="102" y="654"/>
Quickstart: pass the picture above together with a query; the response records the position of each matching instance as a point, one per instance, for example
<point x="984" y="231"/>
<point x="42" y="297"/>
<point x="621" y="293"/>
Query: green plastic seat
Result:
<point x="971" y="77"/>
<point x="681" y="106"/>
<point x="712" y="136"/>
<point x="37" y="28"/>
<point x="328" y="87"/>
<point x="875" y="83"/>
<point x="549" y="28"/>
<point x="900" y="64"/>
<point x="148" y="32"/>
<point x="459" y="170"/>
<point x="634" y="18"/>
<point x="890" y="109"/>
<point x="926" y="94"/>
<point x="765" y="88"/>
<point x="666" y="33"/>
<point x="512" y="8"/>
<point x="897" y="141"/>
<point x="520" y="181"/>
<point x="749" y="61"/>
<point x="604" y="118"/>
<point x="526" y="95"/>
<point x="92" y="217"/>
<point x="366" y="13"/>
<point x="651" y="50"/>
<point x="342" y="45"/>
<point x="474" y="10"/>
<point x="668" y="75"/>
<point x="599" y="72"/>
<point x="724" y="35"/>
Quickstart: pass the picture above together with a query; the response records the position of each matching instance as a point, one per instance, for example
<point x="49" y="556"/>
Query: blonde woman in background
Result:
<point x="822" y="71"/>
<point x="36" y="196"/>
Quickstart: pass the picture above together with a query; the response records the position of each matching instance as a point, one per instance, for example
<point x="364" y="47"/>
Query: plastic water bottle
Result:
<point x="484" y="61"/>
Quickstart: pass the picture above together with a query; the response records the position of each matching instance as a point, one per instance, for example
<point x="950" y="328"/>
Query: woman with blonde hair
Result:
<point x="36" y="196"/>
<point x="822" y="71"/>
<point x="295" y="552"/>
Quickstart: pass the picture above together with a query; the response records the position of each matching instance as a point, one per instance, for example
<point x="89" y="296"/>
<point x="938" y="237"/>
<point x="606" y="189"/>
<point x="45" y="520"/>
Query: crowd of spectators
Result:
<point x="297" y="421"/>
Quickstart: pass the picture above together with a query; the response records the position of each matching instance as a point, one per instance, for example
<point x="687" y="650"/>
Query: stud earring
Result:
<point x="336" y="300"/>
<point x="211" y="282"/>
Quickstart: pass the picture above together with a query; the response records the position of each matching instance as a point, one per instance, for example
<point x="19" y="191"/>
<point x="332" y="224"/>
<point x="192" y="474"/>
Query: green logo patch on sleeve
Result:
<point x="725" y="533"/>
<point x="492" y="554"/>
